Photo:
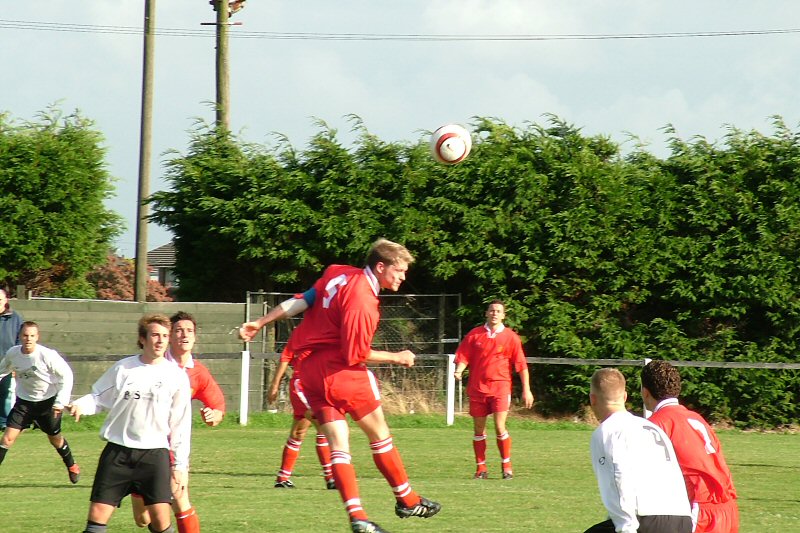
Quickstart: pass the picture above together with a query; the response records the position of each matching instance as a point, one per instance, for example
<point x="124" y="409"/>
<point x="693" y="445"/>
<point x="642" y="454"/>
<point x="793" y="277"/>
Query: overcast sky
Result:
<point x="401" y="88"/>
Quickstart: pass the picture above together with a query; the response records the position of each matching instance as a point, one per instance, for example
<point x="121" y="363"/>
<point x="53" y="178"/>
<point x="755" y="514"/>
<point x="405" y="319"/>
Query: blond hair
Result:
<point x="389" y="253"/>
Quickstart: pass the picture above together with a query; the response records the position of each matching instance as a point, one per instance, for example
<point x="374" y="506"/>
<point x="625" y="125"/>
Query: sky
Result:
<point x="400" y="88"/>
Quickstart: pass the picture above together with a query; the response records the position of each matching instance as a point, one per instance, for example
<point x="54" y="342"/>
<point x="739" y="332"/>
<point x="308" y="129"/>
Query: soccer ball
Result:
<point x="450" y="144"/>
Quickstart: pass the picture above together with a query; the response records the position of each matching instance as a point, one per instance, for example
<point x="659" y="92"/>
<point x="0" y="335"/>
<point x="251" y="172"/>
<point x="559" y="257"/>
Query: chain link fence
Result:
<point x="426" y="324"/>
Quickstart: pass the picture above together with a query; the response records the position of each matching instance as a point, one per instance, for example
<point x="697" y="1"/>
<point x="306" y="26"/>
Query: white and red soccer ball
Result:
<point x="450" y="144"/>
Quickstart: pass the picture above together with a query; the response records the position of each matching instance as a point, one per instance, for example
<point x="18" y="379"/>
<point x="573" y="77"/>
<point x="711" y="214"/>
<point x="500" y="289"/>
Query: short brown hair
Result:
<point x="608" y="383"/>
<point x="182" y="315"/>
<point x="28" y="324"/>
<point x="146" y="320"/>
<point x="662" y="380"/>
<point x="388" y="252"/>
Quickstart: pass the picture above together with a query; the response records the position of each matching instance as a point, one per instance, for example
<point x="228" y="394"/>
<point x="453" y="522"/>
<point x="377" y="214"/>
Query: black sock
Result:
<point x="3" y="452"/>
<point x="66" y="454"/>
<point x="168" y="530"/>
<point x="94" y="527"/>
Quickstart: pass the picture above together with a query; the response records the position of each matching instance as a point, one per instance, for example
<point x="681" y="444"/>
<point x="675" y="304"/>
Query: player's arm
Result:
<point x="101" y="397"/>
<point x="286" y="309"/>
<point x="527" y="395"/>
<point x="180" y="425"/>
<point x="213" y="399"/>
<point x="622" y="503"/>
<point x="276" y="381"/>
<point x="62" y="371"/>
<point x="404" y="357"/>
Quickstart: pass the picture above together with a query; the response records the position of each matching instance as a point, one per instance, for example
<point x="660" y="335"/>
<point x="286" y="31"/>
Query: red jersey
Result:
<point x="204" y="386"/>
<point x="344" y="316"/>
<point x="491" y="356"/>
<point x="708" y="478"/>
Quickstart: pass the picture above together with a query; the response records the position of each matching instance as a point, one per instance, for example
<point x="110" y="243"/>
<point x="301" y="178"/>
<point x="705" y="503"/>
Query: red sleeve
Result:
<point x="518" y="355"/>
<point x="206" y="389"/>
<point x="464" y="350"/>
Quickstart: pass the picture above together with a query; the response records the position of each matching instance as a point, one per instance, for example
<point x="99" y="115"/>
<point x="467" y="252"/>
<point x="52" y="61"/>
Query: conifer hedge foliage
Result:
<point x="599" y="252"/>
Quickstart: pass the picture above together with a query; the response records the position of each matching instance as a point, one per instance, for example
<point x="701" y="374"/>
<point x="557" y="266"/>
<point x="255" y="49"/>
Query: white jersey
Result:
<point x="149" y="406"/>
<point x="40" y="375"/>
<point x="637" y="471"/>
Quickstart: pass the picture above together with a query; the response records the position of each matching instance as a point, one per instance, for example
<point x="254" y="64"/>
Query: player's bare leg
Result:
<point x="185" y="515"/>
<point x="479" y="446"/>
<point x="503" y="442"/>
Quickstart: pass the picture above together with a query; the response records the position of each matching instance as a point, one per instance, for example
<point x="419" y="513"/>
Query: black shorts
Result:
<point x="650" y="524"/>
<point x="25" y="412"/>
<point x="121" y="471"/>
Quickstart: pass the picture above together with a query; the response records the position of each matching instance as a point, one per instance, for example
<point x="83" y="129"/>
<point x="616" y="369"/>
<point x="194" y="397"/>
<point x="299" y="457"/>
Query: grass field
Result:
<point x="233" y="469"/>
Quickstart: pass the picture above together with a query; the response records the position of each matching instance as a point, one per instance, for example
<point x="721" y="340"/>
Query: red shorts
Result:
<point x="334" y="392"/>
<point x="298" y="398"/>
<point x="718" y="518"/>
<point x="483" y="405"/>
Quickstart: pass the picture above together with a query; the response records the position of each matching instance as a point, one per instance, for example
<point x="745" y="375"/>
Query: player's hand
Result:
<point x="75" y="411"/>
<point x="273" y="395"/>
<point x="57" y="409"/>
<point x="178" y="483"/>
<point x="457" y="375"/>
<point x="248" y="331"/>
<point x="527" y="397"/>
<point x="211" y="417"/>
<point x="405" y="358"/>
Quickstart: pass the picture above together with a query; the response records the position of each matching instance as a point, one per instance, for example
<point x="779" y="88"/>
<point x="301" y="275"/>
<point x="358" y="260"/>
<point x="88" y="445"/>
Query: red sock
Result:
<point x="479" y="445"/>
<point x="188" y="521"/>
<point x="291" y="451"/>
<point x="345" y="476"/>
<point x="388" y="461"/>
<point x="324" y="455"/>
<point x="504" y="445"/>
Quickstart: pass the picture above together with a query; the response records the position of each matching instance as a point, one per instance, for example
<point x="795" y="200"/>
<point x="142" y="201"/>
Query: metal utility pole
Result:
<point x="223" y="68"/>
<point x="145" y="142"/>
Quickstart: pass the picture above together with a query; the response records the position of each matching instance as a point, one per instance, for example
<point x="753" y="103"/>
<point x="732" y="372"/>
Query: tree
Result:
<point x="114" y="281"/>
<point x="53" y="181"/>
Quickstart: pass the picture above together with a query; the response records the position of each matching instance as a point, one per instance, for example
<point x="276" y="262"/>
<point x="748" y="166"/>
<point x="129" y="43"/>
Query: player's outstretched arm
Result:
<point x="286" y="309"/>
<point x="404" y="358"/>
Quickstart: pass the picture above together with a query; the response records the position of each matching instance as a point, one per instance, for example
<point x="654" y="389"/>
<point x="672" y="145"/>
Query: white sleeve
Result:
<point x="5" y="366"/>
<point x="102" y="396"/>
<point x="61" y="369"/>
<point x="609" y="461"/>
<point x="180" y="424"/>
<point x="293" y="306"/>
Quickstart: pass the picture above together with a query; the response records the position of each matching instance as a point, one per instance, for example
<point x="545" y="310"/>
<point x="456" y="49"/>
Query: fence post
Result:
<point x="244" y="388"/>
<point x="645" y="412"/>
<point x="451" y="388"/>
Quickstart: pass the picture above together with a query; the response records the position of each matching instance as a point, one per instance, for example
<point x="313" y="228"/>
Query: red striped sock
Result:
<point x="388" y="461"/>
<point x="324" y="455"/>
<point x="188" y="521"/>
<point x="345" y="476"/>
<point x="504" y="445"/>
<point x="291" y="451"/>
<point x="479" y="445"/>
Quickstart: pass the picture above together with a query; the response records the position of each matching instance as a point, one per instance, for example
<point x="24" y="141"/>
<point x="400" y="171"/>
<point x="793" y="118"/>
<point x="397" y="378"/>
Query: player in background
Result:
<point x="337" y="331"/>
<point x="10" y="324"/>
<point x="147" y="429"/>
<point x="183" y="334"/>
<point x="637" y="472"/>
<point x="303" y="419"/>
<point x="492" y="351"/>
<point x="707" y="476"/>
<point x="44" y="385"/>
<point x="301" y="411"/>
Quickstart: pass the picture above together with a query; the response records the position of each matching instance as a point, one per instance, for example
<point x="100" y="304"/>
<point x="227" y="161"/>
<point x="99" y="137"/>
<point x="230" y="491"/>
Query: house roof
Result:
<point x="163" y="256"/>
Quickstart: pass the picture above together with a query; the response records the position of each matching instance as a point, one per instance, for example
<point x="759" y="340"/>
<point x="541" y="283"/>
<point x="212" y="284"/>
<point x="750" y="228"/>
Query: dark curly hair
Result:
<point x="661" y="379"/>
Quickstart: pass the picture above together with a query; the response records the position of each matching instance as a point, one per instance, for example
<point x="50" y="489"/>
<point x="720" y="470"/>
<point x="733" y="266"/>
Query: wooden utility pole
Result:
<point x="223" y="68"/>
<point x="145" y="142"/>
